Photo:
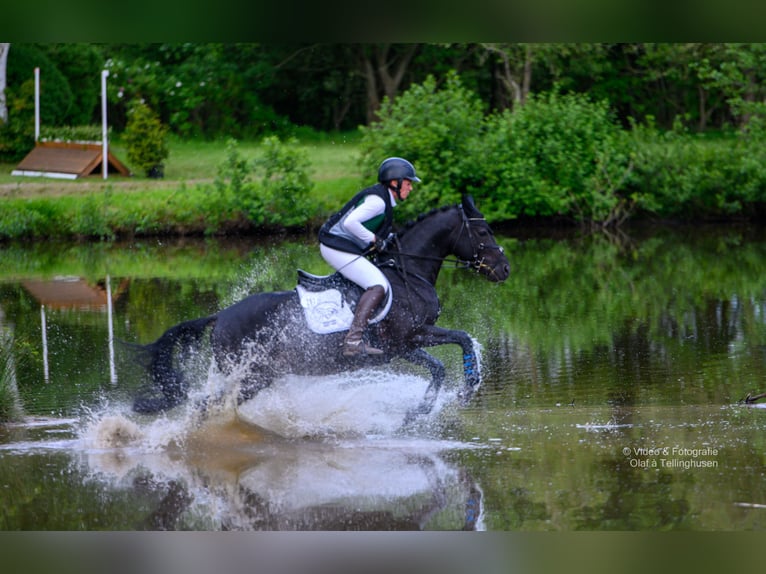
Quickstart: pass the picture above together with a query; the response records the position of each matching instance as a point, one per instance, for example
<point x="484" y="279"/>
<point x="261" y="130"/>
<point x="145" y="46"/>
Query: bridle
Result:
<point x="476" y="262"/>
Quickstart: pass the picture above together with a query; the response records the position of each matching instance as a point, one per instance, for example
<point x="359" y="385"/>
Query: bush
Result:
<point x="56" y="99"/>
<point x="556" y="155"/>
<point x="17" y="137"/>
<point x="436" y="128"/>
<point x="146" y="140"/>
<point x="278" y="195"/>
<point x="285" y="182"/>
<point x="692" y="176"/>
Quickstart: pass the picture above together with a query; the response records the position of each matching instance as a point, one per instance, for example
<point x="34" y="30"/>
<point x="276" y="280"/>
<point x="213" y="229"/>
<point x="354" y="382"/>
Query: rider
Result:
<point x="362" y="226"/>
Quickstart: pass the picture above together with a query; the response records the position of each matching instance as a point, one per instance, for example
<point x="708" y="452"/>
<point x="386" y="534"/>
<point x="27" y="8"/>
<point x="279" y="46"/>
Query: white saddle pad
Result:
<point x="327" y="311"/>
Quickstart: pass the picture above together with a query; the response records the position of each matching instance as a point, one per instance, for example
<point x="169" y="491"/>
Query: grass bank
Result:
<point x="176" y="204"/>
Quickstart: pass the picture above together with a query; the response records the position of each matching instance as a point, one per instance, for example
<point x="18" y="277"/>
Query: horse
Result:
<point x="269" y="329"/>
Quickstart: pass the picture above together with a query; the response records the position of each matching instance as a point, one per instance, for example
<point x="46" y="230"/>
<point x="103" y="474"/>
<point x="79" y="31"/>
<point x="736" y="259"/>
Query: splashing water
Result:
<point x="360" y="403"/>
<point x="370" y="403"/>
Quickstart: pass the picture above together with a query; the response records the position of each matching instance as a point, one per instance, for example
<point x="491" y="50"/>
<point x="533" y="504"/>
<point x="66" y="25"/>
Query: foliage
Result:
<point x="55" y="94"/>
<point x="556" y="155"/>
<point x="81" y="65"/>
<point x="278" y="196"/>
<point x="146" y="139"/>
<point x="683" y="175"/>
<point x="17" y="135"/>
<point x="436" y="127"/>
<point x="81" y="133"/>
<point x="199" y="90"/>
<point x="284" y="171"/>
<point x="234" y="189"/>
<point x="738" y="74"/>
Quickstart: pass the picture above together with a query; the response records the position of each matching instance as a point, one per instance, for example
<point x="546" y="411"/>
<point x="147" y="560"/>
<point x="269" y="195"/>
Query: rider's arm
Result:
<point x="370" y="208"/>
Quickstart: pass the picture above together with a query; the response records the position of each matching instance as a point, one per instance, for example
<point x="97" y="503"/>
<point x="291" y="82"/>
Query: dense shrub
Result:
<point x="283" y="169"/>
<point x="273" y="190"/>
<point x="556" y="155"/>
<point x="692" y="176"/>
<point x="56" y="99"/>
<point x="146" y="140"/>
<point x="81" y="64"/>
<point x="434" y="126"/>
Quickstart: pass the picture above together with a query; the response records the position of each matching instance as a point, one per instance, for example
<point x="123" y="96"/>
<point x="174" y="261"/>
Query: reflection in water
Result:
<point x="232" y="476"/>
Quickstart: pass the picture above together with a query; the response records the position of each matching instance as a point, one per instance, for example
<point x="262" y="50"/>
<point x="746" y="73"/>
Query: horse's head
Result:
<point x="475" y="244"/>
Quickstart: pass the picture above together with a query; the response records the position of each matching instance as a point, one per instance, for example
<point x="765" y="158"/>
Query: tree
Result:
<point x="4" y="46"/>
<point x="739" y="72"/>
<point x="516" y="66"/>
<point x="383" y="67"/>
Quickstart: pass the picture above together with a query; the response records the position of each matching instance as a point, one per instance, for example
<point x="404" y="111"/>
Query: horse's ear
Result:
<point x="469" y="207"/>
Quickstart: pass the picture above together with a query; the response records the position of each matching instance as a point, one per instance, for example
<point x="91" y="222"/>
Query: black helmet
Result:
<point x="396" y="168"/>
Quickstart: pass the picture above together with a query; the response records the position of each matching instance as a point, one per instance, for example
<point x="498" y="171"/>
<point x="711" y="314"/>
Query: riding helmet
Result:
<point x="396" y="168"/>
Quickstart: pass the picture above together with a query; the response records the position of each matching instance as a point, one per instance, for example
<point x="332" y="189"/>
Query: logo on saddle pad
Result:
<point x="329" y="301"/>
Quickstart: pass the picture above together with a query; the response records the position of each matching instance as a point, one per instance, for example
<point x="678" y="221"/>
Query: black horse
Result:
<point x="270" y="332"/>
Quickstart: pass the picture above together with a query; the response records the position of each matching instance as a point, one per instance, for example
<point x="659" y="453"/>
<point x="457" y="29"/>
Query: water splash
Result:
<point x="368" y="402"/>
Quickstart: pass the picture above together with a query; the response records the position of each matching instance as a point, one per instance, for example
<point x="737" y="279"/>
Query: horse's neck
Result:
<point x="428" y="243"/>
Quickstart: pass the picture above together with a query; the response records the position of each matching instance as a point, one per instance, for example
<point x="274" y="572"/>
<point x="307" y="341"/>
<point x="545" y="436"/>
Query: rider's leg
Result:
<point x="365" y="307"/>
<point x="361" y="271"/>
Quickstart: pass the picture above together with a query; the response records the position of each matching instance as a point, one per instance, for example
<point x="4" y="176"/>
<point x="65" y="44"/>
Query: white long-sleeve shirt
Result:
<point x="371" y="207"/>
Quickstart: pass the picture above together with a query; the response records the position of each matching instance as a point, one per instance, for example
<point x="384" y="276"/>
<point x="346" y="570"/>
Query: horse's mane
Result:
<point x="412" y="222"/>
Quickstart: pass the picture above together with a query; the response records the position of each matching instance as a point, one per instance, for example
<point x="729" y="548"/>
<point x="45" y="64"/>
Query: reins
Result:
<point x="476" y="263"/>
<point x="397" y="259"/>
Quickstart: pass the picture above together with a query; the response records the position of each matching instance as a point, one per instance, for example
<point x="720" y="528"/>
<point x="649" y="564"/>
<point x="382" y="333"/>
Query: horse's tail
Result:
<point x="169" y="386"/>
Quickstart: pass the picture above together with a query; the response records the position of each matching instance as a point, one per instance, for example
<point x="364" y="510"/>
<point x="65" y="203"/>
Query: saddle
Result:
<point x="328" y="301"/>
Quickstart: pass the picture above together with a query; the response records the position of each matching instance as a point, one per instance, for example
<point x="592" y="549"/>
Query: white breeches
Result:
<point x="354" y="267"/>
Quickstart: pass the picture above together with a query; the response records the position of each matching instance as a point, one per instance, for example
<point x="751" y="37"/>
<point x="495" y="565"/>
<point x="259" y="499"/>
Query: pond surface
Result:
<point x="613" y="369"/>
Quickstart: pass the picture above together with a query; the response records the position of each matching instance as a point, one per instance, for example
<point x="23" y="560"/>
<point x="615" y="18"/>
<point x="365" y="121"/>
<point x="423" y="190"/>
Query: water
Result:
<point x="612" y="371"/>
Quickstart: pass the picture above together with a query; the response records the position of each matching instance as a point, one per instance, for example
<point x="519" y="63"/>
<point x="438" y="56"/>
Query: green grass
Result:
<point x="177" y="203"/>
<point x="333" y="157"/>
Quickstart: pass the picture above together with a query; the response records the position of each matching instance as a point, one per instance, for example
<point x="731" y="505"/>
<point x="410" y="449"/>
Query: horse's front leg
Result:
<point x="436" y="367"/>
<point x="431" y="335"/>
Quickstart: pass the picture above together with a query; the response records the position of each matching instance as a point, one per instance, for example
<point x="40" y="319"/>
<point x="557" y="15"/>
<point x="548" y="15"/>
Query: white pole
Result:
<point x="112" y="369"/>
<point x="44" y="326"/>
<point x="104" y="143"/>
<point x="37" y="104"/>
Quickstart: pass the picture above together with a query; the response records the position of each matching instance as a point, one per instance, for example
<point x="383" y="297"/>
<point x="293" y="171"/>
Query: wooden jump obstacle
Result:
<point x="68" y="160"/>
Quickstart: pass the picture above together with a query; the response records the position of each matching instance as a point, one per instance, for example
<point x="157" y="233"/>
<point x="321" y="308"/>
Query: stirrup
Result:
<point x="354" y="348"/>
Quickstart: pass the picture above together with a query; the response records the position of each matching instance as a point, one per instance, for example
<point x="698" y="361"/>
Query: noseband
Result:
<point x="477" y="261"/>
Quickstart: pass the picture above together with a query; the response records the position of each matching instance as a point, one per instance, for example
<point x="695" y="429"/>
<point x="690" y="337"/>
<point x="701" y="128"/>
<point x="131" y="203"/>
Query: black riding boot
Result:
<point x="368" y="302"/>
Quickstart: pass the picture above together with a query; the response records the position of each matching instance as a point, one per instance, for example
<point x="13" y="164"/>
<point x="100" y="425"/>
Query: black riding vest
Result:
<point x="382" y="230"/>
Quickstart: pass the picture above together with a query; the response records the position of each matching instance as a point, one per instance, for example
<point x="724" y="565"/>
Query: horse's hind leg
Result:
<point x="436" y="367"/>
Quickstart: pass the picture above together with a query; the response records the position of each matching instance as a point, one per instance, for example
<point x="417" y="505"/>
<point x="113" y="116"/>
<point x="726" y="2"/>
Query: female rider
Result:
<point x="360" y="227"/>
